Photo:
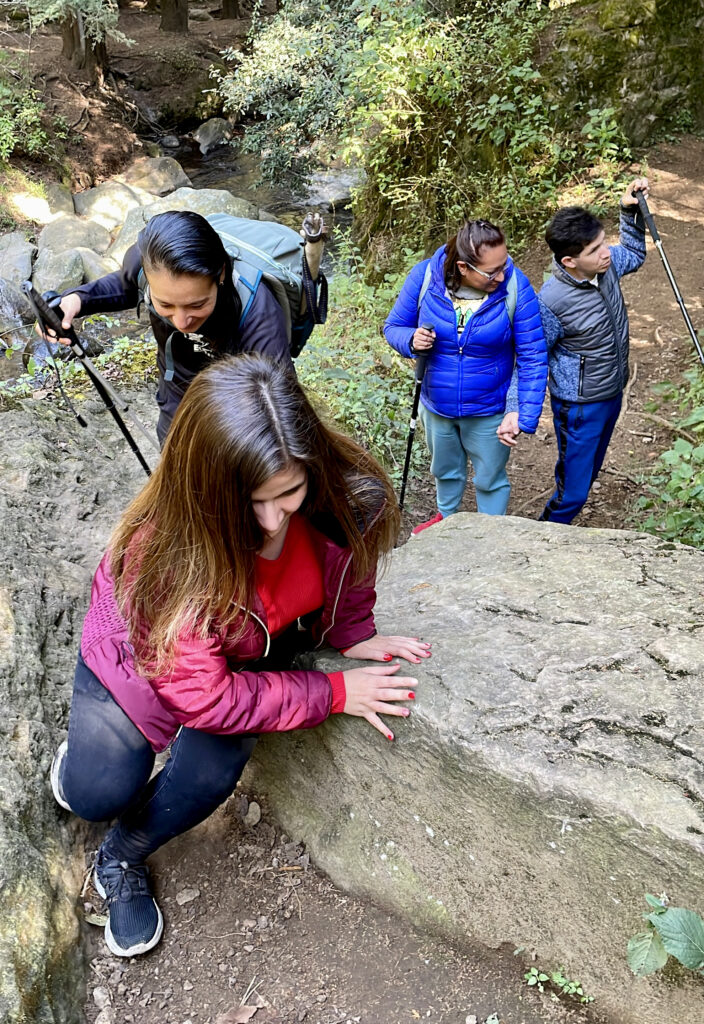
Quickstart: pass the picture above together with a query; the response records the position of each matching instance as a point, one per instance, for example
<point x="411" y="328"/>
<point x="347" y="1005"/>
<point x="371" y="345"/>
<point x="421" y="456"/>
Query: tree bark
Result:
<point x="83" y="53"/>
<point x="174" y="16"/>
<point x="230" y="9"/>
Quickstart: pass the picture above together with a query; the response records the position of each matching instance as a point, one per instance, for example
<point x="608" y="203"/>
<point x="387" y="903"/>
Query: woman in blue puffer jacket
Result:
<point x="487" y="365"/>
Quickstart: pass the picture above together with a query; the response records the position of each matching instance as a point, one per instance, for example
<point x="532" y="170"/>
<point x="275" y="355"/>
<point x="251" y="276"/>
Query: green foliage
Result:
<point x="670" y="931"/>
<point x="673" y="503"/>
<point x="21" y="110"/>
<point x="291" y="78"/>
<point x="558" y="983"/>
<point x="446" y="115"/>
<point x="357" y="379"/>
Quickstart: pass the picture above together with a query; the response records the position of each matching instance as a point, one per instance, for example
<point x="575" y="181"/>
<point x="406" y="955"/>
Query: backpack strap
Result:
<point x="425" y="285"/>
<point x="512" y="296"/>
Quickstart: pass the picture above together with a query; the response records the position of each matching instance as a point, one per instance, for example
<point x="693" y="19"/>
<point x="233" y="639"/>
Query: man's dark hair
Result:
<point x="570" y="230"/>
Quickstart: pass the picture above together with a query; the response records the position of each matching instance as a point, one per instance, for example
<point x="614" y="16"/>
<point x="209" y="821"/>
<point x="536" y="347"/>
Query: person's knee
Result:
<point x="93" y="804"/>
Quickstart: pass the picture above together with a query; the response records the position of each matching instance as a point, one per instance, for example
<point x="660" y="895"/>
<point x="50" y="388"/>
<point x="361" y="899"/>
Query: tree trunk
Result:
<point x="174" y="16"/>
<point x="230" y="9"/>
<point x="83" y="53"/>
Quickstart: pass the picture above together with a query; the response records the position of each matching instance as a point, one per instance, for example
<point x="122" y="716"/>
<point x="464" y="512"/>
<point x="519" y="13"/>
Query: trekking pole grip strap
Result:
<point x="647" y="215"/>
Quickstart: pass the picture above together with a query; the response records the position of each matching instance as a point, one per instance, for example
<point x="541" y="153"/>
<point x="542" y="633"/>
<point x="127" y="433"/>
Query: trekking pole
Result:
<point x="648" y="217"/>
<point x="421" y="361"/>
<point x="49" y="320"/>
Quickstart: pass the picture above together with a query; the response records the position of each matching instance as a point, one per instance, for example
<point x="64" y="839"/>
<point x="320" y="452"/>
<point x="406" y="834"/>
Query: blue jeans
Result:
<point x="583" y="431"/>
<point x="107" y="768"/>
<point x="451" y="442"/>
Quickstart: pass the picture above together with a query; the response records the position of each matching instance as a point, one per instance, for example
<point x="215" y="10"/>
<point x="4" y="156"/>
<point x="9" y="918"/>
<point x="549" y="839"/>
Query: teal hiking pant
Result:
<point x="451" y="442"/>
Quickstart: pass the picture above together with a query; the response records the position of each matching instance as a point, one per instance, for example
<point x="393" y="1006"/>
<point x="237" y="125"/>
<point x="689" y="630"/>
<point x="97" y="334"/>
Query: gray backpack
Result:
<point x="271" y="252"/>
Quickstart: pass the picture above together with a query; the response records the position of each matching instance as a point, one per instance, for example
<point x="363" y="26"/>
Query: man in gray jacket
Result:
<point x="585" y="323"/>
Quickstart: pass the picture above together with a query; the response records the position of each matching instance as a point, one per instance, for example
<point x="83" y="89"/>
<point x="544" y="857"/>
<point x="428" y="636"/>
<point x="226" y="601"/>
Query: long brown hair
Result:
<point x="183" y="555"/>
<point x="466" y="246"/>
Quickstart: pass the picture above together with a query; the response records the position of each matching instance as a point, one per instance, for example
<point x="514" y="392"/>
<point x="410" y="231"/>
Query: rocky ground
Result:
<point x="250" y="923"/>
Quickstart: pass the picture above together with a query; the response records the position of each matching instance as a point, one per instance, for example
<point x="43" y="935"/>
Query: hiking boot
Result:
<point x="134" y="922"/>
<point x="424" y="526"/>
<point x="55" y="776"/>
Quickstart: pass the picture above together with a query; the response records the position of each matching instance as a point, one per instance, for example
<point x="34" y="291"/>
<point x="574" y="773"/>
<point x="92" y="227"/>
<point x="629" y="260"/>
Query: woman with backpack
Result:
<point x="181" y="271"/>
<point x="257" y="536"/>
<point x="475" y="316"/>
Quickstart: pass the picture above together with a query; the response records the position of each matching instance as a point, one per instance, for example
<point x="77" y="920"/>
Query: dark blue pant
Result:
<point x="583" y="433"/>
<point x="108" y="764"/>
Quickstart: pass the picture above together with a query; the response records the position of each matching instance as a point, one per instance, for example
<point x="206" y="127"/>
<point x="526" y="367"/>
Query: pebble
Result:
<point x="248" y="948"/>
<point x="186" y="896"/>
<point x="262" y="921"/>
<point x="253" y="815"/>
<point x="105" y="1017"/>
<point x="187" y="986"/>
<point x="249" y="923"/>
<point x="101" y="997"/>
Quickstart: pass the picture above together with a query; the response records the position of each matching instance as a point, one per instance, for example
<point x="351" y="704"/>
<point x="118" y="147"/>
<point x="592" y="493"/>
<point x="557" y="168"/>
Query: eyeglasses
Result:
<point x="490" y="277"/>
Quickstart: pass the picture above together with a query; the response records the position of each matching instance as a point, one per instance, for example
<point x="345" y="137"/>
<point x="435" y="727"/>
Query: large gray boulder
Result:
<point x="57" y="271"/>
<point x="61" y="492"/>
<point x="95" y="266"/>
<point x="68" y="231"/>
<point x="109" y="203"/>
<point x="157" y="174"/>
<point x="551" y="771"/>
<point x="204" y="201"/>
<point x="16" y="255"/>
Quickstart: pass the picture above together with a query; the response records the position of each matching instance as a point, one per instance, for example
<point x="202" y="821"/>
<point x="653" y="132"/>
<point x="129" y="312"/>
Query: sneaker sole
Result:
<point x="139" y="947"/>
<point x="54" y="776"/>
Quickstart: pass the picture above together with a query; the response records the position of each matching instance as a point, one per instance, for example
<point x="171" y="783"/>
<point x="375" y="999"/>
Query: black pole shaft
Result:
<point x="421" y="362"/>
<point x="50" y="320"/>
<point x="655" y="234"/>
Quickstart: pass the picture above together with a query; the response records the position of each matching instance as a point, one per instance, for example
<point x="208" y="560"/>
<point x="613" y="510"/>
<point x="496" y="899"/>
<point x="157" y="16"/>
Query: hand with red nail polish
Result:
<point x="384" y="648"/>
<point x="370" y="692"/>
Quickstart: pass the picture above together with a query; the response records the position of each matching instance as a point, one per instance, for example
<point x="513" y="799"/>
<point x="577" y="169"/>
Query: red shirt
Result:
<point x="291" y="586"/>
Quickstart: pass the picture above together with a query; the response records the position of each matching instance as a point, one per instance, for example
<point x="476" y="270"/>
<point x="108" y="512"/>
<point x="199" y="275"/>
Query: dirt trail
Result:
<point x="660" y="351"/>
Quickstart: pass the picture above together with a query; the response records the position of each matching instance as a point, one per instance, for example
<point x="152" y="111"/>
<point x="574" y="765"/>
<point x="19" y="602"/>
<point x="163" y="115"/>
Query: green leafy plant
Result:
<point x="21" y="110"/>
<point x="670" y="931"/>
<point x="673" y="503"/>
<point x="558" y="983"/>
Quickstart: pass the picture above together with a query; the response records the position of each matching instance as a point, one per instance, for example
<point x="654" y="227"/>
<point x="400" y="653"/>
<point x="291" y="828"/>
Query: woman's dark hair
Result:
<point x="183" y="242"/>
<point x="466" y="246"/>
<point x="183" y="555"/>
<point x="570" y="230"/>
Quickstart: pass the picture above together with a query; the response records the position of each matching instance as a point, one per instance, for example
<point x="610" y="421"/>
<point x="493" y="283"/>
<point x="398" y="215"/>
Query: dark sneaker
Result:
<point x="134" y="923"/>
<point x="55" y="776"/>
<point x="424" y="526"/>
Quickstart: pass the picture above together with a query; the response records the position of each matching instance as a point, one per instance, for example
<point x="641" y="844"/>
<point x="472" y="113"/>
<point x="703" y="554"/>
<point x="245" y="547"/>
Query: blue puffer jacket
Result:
<point x="470" y="375"/>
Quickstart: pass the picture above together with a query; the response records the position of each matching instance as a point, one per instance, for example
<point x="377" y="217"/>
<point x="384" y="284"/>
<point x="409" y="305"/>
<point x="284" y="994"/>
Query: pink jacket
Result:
<point x="209" y="687"/>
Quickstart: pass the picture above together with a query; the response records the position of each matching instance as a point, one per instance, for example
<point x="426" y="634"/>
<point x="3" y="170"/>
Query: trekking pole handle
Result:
<point x="48" y="316"/>
<point x="647" y="215"/>
<point x="422" y="357"/>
